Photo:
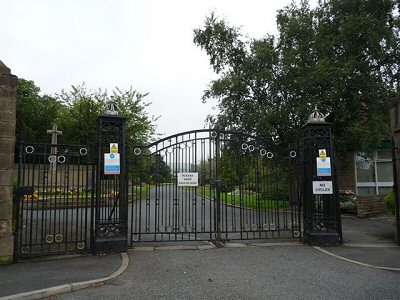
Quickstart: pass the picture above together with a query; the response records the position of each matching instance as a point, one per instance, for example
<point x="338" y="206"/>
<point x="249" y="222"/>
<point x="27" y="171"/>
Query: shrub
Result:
<point x="389" y="202"/>
<point x="348" y="201"/>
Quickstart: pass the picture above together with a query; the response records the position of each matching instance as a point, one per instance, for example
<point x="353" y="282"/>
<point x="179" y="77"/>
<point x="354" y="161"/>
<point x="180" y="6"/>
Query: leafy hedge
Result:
<point x="389" y="202"/>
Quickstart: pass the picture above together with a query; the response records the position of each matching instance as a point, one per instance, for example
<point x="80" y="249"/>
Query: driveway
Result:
<point x="283" y="272"/>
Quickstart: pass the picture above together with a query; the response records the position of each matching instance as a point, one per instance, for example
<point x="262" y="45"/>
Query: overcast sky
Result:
<point x="144" y="44"/>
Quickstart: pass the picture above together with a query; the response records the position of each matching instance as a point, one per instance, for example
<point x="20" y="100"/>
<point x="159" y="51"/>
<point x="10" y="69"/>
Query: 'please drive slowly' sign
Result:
<point x="188" y="179"/>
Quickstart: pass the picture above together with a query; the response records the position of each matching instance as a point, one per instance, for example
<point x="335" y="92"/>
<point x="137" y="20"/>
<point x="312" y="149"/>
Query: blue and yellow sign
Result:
<point x="324" y="166"/>
<point x="111" y="164"/>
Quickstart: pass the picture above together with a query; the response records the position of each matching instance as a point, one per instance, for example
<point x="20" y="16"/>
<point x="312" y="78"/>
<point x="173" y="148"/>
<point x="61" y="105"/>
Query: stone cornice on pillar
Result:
<point x="4" y="69"/>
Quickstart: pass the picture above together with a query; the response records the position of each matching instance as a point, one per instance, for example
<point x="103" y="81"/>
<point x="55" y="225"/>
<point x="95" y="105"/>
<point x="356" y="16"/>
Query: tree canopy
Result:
<point x="76" y="112"/>
<point x="340" y="55"/>
<point x="35" y="113"/>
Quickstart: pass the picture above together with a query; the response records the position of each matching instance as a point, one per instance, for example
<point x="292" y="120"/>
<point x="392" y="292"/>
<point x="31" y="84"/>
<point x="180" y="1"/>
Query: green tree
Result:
<point x="160" y="172"/>
<point x="35" y="113"/>
<point x="341" y="55"/>
<point x="83" y="107"/>
<point x="79" y="114"/>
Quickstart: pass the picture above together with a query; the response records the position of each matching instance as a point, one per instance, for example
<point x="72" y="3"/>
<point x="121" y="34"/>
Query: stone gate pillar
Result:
<point x="321" y="211"/>
<point x="395" y="125"/>
<point x="8" y="101"/>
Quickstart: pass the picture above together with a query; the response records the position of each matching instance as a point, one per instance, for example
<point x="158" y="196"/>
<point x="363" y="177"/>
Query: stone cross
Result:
<point x="54" y="132"/>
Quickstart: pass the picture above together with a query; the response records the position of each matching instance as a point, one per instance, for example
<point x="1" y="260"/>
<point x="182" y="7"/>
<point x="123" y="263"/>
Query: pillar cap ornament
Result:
<point x="316" y="117"/>
<point x="111" y="108"/>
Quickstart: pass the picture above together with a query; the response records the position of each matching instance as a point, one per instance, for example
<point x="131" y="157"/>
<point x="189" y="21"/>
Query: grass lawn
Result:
<point x="247" y="199"/>
<point x="137" y="190"/>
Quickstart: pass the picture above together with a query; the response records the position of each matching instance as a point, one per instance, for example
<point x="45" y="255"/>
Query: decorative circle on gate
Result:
<point x="266" y="227"/>
<point x="221" y="136"/>
<point x="182" y="228"/>
<point x="80" y="245"/>
<point x="188" y="228"/>
<point x="59" y="238"/>
<point x="170" y="150"/>
<point x="270" y="155"/>
<point x="292" y="153"/>
<point x="52" y="158"/>
<point x="162" y="152"/>
<point x="263" y="152"/>
<point x="83" y="151"/>
<point x="244" y="146"/>
<point x="247" y="227"/>
<point x="49" y="239"/>
<point x="272" y="226"/>
<point x="25" y="249"/>
<point x="213" y="134"/>
<point x="61" y="159"/>
<point x="254" y="227"/>
<point x="189" y="144"/>
<point x="168" y="229"/>
<point x="183" y="146"/>
<point x="134" y="237"/>
<point x="251" y="148"/>
<point x="29" y="149"/>
<point x="296" y="233"/>
<point x="137" y="151"/>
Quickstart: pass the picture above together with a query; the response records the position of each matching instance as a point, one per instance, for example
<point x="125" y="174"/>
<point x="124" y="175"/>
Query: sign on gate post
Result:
<point x="113" y="147"/>
<point x="322" y="188"/>
<point x="111" y="164"/>
<point x="323" y="164"/>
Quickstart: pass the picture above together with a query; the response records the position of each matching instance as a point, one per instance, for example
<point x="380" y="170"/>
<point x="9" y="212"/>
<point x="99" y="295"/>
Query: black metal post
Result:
<point x="17" y="195"/>
<point x="218" y="187"/>
<point x="111" y="205"/>
<point x="321" y="210"/>
<point x="395" y="125"/>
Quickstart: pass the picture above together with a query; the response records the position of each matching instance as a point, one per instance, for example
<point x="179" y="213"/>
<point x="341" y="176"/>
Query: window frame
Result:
<point x="377" y="184"/>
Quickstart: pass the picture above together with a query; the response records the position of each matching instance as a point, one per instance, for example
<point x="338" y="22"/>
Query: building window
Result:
<point x="374" y="175"/>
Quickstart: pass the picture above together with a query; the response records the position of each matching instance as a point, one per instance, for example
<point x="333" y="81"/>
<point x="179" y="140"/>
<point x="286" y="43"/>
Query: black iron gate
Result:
<point x="53" y="199"/>
<point x="197" y="185"/>
<point x="213" y="185"/>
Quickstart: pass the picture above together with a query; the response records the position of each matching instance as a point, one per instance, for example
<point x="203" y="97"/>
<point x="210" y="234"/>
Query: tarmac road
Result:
<point x="167" y="208"/>
<point x="278" y="272"/>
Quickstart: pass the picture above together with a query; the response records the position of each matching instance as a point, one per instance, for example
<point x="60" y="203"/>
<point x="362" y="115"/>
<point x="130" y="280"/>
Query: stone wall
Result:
<point x="8" y="96"/>
<point x="370" y="205"/>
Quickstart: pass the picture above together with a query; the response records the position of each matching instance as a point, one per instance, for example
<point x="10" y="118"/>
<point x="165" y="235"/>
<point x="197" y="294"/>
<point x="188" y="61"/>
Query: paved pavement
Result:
<point x="34" y="275"/>
<point x="256" y="269"/>
<point x="374" y="230"/>
<point x="370" y="241"/>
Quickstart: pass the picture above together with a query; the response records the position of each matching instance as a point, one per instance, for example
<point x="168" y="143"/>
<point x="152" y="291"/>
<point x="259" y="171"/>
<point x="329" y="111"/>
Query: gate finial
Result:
<point x="111" y="108"/>
<point x="316" y="116"/>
